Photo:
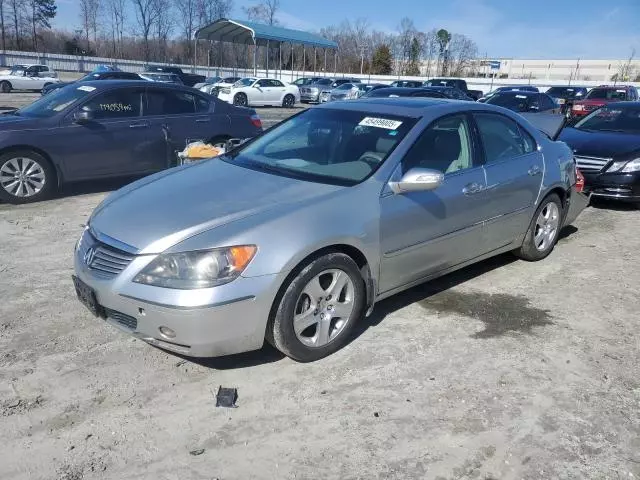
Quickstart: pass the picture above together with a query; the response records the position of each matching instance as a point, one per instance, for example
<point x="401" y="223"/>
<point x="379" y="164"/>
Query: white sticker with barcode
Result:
<point x="380" y="123"/>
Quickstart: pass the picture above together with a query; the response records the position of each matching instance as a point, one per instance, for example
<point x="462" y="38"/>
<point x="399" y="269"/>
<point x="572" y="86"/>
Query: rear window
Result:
<point x="608" y="94"/>
<point x="518" y="102"/>
<point x="565" y="92"/>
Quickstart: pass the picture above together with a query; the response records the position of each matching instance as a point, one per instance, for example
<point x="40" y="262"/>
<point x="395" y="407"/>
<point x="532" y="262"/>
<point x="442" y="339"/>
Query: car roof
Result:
<point x="102" y="85"/>
<point x="614" y="87"/>
<point x="517" y="92"/>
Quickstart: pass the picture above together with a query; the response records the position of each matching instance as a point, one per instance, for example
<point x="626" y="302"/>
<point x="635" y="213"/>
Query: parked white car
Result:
<point x="27" y="77"/>
<point x="260" y="91"/>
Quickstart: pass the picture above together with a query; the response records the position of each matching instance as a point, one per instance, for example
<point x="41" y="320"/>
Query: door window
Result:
<point x="202" y="104"/>
<point x="115" y="104"/>
<point x="502" y="138"/>
<point x="276" y="83"/>
<point x="170" y="102"/>
<point x="444" y="146"/>
<point x="264" y="83"/>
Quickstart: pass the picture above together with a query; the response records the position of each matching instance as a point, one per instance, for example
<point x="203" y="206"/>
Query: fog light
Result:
<point x="167" y="332"/>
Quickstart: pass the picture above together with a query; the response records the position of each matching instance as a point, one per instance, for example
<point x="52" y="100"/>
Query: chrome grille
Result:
<point x="102" y="259"/>
<point x="591" y="164"/>
<point x="122" y="318"/>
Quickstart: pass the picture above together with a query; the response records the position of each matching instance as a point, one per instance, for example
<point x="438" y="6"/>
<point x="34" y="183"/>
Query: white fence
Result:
<point x="74" y="63"/>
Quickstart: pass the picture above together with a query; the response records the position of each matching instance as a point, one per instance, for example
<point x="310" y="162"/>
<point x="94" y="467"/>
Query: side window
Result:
<point x="169" y="102"/>
<point x="276" y="83"/>
<point x="115" y="104"/>
<point x="264" y="83"/>
<point x="546" y="103"/>
<point x="202" y="104"/>
<point x="501" y="138"/>
<point x="445" y="146"/>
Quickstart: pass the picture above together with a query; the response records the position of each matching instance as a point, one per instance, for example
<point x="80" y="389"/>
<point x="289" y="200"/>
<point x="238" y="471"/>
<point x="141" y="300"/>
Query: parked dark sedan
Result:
<point x="102" y="75"/>
<point x="407" y="83"/>
<point x="606" y="145"/>
<point x="521" y="101"/>
<point x="432" y="92"/>
<point x="108" y="129"/>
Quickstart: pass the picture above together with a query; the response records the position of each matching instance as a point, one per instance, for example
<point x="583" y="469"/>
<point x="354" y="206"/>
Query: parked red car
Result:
<point x="603" y="95"/>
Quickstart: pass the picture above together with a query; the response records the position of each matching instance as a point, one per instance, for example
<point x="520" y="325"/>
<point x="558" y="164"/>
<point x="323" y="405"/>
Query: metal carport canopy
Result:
<point x="244" y="32"/>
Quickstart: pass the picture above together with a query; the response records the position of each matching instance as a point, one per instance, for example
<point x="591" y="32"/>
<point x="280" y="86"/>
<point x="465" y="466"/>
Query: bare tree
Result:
<point x="146" y="17"/>
<point x="625" y="69"/>
<point x="17" y="13"/>
<point x="212" y="10"/>
<point x="4" y="34"/>
<point x="187" y="20"/>
<point x="89" y="11"/>
<point x="116" y="12"/>
<point x="265" y="11"/>
<point x="163" y="26"/>
<point x="462" y="52"/>
<point x="406" y="33"/>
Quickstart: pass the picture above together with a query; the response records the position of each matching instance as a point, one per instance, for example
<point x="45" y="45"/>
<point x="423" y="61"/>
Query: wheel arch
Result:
<point x="351" y="251"/>
<point x="39" y="151"/>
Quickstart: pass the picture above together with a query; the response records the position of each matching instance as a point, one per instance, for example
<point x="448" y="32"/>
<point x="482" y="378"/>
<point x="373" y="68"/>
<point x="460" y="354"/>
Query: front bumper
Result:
<point x="617" y="186"/>
<point x="224" y="320"/>
<point x="310" y="97"/>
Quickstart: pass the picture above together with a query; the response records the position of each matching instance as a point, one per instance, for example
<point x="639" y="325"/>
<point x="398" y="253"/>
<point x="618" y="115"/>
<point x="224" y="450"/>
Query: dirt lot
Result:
<point x="506" y="370"/>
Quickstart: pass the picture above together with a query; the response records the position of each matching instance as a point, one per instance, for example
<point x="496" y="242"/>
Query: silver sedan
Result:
<point x="294" y="236"/>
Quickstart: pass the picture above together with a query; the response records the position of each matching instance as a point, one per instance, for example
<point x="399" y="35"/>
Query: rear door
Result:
<point x="115" y="143"/>
<point x="177" y="117"/>
<point x="278" y="91"/>
<point x="514" y="170"/>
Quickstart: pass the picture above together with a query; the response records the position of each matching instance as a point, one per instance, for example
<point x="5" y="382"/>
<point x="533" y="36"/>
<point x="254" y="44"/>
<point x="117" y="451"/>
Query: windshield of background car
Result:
<point x="564" y="92"/>
<point x="513" y="101"/>
<point x="324" y="81"/>
<point x="244" y="82"/>
<point x="17" y="71"/>
<point x="607" y="94"/>
<point x="55" y="102"/>
<point x="345" y="86"/>
<point x="338" y="147"/>
<point x="625" y="119"/>
<point x="439" y="83"/>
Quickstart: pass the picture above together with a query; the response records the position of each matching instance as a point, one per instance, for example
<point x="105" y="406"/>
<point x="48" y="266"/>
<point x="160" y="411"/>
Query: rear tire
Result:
<point x="26" y="177"/>
<point x="5" y="87"/>
<point x="319" y="308"/>
<point x="240" y="100"/>
<point x="543" y="231"/>
<point x="288" y="101"/>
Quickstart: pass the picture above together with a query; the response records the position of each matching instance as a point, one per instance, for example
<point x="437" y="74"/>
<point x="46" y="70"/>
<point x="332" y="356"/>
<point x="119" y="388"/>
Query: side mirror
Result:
<point x="416" y="180"/>
<point x="83" y="116"/>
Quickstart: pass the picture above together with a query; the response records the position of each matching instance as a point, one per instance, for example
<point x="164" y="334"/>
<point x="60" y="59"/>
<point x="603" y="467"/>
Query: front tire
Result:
<point x="26" y="177"/>
<point x="5" y="87"/>
<point x="319" y="308"/>
<point x="240" y="100"/>
<point x="288" y="101"/>
<point x="543" y="231"/>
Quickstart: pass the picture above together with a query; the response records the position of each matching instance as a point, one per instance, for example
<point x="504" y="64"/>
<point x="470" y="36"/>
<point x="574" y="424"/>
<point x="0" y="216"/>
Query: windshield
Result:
<point x="515" y="102"/>
<point x="18" y="70"/>
<point x="55" y="102"/>
<point x="212" y="80"/>
<point x="345" y="86"/>
<point x="565" y="92"/>
<point x="324" y="145"/>
<point x="607" y="94"/>
<point x="245" y="82"/>
<point x="90" y="76"/>
<point x="626" y="119"/>
<point x="324" y="81"/>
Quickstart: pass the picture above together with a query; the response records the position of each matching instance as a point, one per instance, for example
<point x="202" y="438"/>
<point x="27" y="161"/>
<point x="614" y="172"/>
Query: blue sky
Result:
<point x="502" y="28"/>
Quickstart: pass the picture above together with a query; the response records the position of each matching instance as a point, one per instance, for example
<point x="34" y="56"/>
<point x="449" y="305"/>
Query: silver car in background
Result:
<point x="295" y="235"/>
<point x="310" y="93"/>
<point x="347" y="91"/>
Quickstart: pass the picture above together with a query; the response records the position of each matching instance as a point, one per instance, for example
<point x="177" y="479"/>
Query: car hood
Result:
<point x="10" y="122"/>
<point x="595" y="101"/>
<point x="162" y="210"/>
<point x="600" y="144"/>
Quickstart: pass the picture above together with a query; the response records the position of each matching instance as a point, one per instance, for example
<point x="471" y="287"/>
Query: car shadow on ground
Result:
<point x="95" y="186"/>
<point x="605" y="204"/>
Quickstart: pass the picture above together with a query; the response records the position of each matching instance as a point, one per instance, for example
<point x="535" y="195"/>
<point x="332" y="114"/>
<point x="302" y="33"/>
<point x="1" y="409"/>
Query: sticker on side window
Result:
<point x="521" y="96"/>
<point x="380" y="123"/>
<point x="86" y="88"/>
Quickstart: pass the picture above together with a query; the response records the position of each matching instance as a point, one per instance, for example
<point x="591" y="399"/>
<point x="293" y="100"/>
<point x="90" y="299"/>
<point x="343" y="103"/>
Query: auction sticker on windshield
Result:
<point x="86" y="88"/>
<point x="380" y="123"/>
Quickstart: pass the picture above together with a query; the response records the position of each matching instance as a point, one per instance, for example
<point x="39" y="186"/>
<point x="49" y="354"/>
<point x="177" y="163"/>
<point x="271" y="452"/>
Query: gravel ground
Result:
<point x="505" y="370"/>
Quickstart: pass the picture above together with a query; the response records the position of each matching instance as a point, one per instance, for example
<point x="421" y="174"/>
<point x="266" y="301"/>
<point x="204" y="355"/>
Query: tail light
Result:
<point x="578" y="107"/>
<point x="255" y="120"/>
<point x="579" y="180"/>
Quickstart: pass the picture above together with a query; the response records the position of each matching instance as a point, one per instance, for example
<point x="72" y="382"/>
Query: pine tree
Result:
<point x="42" y="12"/>
<point x="382" y="61"/>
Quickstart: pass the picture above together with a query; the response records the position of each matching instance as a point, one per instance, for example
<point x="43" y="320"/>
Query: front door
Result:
<point x="514" y="167"/>
<point x="114" y="143"/>
<point x="426" y="232"/>
<point x="265" y="94"/>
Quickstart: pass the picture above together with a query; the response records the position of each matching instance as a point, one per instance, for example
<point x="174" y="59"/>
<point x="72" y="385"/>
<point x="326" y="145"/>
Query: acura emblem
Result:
<point x="89" y="256"/>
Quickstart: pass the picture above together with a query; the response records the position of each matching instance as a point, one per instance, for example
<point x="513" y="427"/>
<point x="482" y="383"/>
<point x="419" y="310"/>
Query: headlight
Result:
<point x="632" y="166"/>
<point x="198" y="269"/>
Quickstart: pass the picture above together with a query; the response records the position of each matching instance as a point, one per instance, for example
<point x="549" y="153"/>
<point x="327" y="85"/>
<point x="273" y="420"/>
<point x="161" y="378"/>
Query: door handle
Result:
<point x="472" y="189"/>
<point x="202" y="120"/>
<point x="533" y="171"/>
<point x="138" y="125"/>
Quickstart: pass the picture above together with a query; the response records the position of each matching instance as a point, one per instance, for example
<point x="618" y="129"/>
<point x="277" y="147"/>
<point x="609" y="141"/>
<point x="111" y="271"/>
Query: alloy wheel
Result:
<point x="546" y="226"/>
<point x="323" y="308"/>
<point x="22" y="177"/>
